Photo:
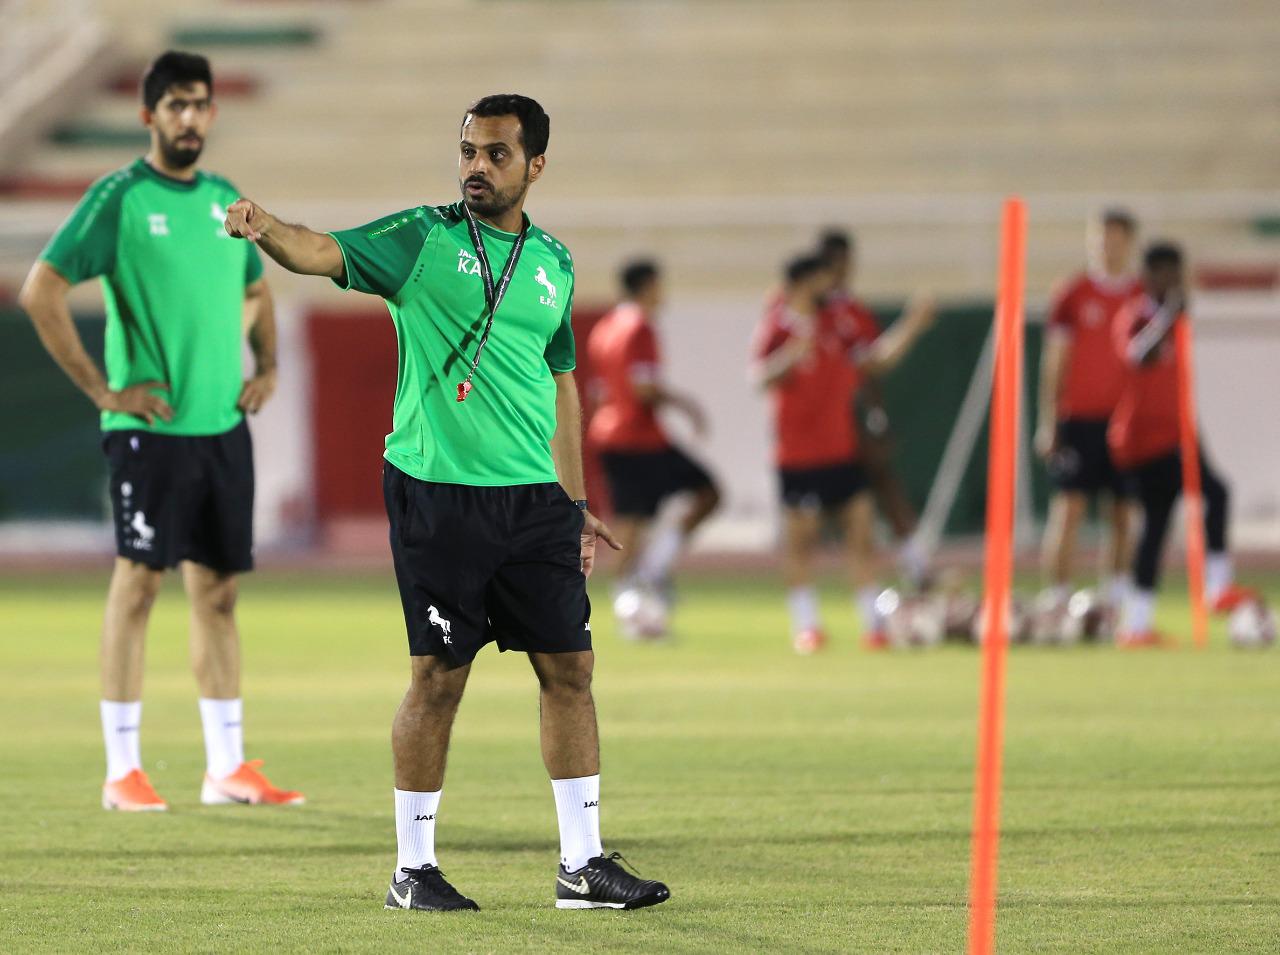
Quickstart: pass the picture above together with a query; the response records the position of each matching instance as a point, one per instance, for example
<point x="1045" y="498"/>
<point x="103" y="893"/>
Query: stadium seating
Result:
<point x="906" y="126"/>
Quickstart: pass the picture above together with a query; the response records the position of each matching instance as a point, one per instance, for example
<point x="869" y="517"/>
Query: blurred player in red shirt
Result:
<point x="641" y="465"/>
<point x="812" y="361"/>
<point x="1144" y="441"/>
<point x="836" y="248"/>
<point x="1080" y="380"/>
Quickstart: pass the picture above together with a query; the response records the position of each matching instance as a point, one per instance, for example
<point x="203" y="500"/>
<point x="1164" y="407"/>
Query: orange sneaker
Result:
<point x="876" y="640"/>
<point x="809" y="642"/>
<point x="247" y="785"/>
<point x="132" y="793"/>
<point x="1233" y="597"/>
<point x="1144" y="640"/>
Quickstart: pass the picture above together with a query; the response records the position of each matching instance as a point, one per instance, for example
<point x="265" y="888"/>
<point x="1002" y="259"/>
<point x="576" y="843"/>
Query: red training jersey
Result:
<point x="1145" y="423"/>
<point x="852" y="320"/>
<point x="622" y="350"/>
<point x="1083" y="310"/>
<point x="813" y="419"/>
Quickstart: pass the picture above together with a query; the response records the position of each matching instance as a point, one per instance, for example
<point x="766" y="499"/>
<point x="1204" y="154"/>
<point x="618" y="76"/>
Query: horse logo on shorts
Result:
<point x="434" y="618"/>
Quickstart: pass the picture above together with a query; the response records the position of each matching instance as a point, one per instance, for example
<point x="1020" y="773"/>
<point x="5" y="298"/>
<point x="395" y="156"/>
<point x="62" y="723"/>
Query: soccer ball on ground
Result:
<point x="911" y="621"/>
<point x="1050" y="620"/>
<point x="1019" y="622"/>
<point x="1252" y="625"/>
<point x="1091" y="618"/>
<point x="642" y="613"/>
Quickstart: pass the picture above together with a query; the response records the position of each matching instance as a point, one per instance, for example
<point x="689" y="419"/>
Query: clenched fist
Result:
<point x="246" y="220"/>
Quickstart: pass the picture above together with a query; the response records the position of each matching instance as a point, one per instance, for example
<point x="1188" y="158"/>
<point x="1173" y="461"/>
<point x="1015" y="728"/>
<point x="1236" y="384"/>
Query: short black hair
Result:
<point x="174" y="68"/>
<point x="1160" y="254"/>
<point x="833" y="241"/>
<point x="637" y="275"/>
<point x="802" y="266"/>
<point x="1115" y="215"/>
<point x="535" y="124"/>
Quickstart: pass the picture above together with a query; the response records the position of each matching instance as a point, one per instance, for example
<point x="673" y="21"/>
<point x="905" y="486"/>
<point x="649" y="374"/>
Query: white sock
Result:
<point x="866" y="601"/>
<point x="1116" y="590"/>
<point x="121" y="723"/>
<point x="415" y="830"/>
<point x="1218" y="574"/>
<point x="223" y="736"/>
<point x="578" y="812"/>
<point x="1061" y="593"/>
<point x="1139" y="610"/>
<point x="803" y="604"/>
<point x="659" y="554"/>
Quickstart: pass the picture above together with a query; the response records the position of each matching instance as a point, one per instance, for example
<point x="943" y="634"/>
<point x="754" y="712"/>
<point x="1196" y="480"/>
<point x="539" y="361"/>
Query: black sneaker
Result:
<point x="603" y="884"/>
<point x="427" y="890"/>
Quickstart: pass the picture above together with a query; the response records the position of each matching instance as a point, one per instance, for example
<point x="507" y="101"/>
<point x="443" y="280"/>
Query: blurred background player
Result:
<point x="641" y="464"/>
<point x="179" y="294"/>
<point x="1081" y="375"/>
<point x="1144" y="436"/>
<point x="812" y="365"/>
<point x="836" y="248"/>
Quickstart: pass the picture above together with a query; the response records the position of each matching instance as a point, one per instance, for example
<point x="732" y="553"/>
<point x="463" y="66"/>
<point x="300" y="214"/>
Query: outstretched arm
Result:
<point x="295" y="247"/>
<point x="566" y="450"/>
<point x="891" y="346"/>
<point x="44" y="298"/>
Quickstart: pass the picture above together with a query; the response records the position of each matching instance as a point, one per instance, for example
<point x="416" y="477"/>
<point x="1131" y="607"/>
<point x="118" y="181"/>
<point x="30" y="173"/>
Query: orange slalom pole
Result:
<point x="1192" y="496"/>
<point x="1001" y="481"/>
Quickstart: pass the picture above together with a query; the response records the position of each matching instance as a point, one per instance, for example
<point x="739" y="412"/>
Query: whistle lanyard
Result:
<point x="493" y="294"/>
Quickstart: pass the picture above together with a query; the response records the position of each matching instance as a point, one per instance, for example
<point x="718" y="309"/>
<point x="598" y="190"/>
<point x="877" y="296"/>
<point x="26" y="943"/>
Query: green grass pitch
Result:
<point x="793" y="805"/>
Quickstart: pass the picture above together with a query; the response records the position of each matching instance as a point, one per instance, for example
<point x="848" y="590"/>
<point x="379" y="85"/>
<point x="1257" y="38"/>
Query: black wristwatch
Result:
<point x="581" y="504"/>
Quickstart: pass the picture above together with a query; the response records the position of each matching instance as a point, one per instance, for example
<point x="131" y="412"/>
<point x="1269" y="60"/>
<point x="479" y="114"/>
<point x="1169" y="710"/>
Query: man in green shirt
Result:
<point x="490" y="532"/>
<point x="178" y="295"/>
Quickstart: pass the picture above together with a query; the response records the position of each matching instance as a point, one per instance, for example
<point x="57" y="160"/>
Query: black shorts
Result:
<point x="175" y="498"/>
<point x="639" y="481"/>
<point x="832" y="485"/>
<point x="483" y="564"/>
<point x="1082" y="461"/>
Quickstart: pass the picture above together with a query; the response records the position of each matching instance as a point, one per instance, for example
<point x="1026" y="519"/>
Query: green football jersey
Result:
<point x="422" y="262"/>
<point x="174" y="285"/>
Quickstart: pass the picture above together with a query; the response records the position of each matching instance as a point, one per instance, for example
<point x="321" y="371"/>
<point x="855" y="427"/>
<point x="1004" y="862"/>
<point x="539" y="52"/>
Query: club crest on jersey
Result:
<point x="541" y="278"/>
<point x="159" y="223"/>
<point x="468" y="264"/>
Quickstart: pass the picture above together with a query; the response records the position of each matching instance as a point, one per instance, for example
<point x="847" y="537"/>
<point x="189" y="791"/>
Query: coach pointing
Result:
<point x="490" y="532"/>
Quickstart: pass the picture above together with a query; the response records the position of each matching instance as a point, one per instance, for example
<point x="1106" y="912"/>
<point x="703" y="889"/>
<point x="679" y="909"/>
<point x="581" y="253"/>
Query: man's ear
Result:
<point x="536" y="165"/>
<point x="145" y="116"/>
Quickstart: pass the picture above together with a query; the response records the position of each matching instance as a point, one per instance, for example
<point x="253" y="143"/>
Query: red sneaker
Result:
<point x="1144" y="640"/>
<point x="1233" y="597"/>
<point x="876" y="640"/>
<point x="808" y="642"/>
<point x="132" y="793"/>
<point x="247" y="785"/>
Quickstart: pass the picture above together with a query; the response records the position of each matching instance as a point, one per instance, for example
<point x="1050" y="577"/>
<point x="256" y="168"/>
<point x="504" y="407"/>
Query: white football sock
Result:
<point x="1116" y="590"/>
<point x="1061" y="593"/>
<point x="578" y="813"/>
<point x="1218" y="575"/>
<point x="121" y="724"/>
<point x="871" y="617"/>
<point x="659" y="554"/>
<point x="1139" y="610"/>
<point x="803" y="604"/>
<point x="223" y="736"/>
<point x="415" y="830"/>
